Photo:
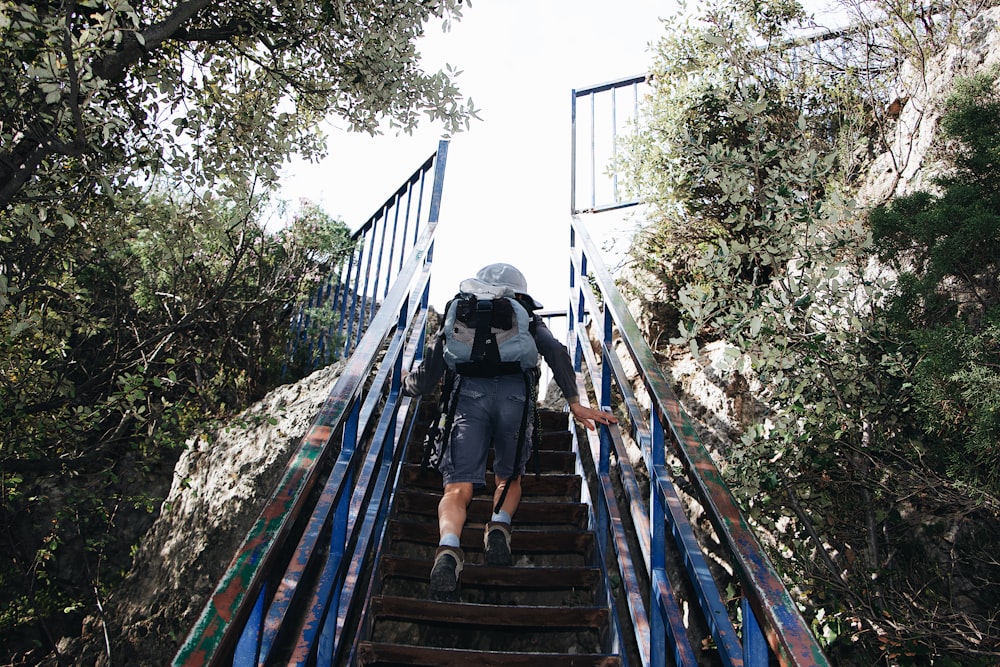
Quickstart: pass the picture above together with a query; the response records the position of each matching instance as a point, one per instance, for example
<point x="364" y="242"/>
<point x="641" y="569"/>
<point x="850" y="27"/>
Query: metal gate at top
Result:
<point x="601" y="116"/>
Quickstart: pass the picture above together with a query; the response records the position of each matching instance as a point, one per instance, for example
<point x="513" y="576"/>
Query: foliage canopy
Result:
<point x="945" y="248"/>
<point x="141" y="292"/>
<point x="748" y="157"/>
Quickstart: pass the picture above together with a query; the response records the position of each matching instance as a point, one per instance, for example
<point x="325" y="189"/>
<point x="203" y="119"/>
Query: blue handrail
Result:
<point x="293" y="580"/>
<point x="659" y="627"/>
<point x="351" y="292"/>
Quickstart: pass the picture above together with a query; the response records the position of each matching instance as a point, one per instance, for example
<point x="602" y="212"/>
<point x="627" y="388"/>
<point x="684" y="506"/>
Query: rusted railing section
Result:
<point x="768" y="611"/>
<point x="291" y="587"/>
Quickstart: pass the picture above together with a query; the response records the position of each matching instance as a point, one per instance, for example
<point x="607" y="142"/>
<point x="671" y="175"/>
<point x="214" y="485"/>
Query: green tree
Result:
<point x="139" y="291"/>
<point x="206" y="88"/>
<point x="747" y="159"/>
<point x="945" y="247"/>
<point x="217" y="96"/>
<point x="180" y="316"/>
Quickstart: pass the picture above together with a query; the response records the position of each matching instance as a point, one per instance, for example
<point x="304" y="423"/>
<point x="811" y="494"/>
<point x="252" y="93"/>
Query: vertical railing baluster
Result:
<point x="593" y="152"/>
<point x="420" y="207"/>
<point x="755" y="649"/>
<point x="614" y="143"/>
<point x="406" y="226"/>
<point x="345" y="290"/>
<point x="572" y="154"/>
<point x="392" y="248"/>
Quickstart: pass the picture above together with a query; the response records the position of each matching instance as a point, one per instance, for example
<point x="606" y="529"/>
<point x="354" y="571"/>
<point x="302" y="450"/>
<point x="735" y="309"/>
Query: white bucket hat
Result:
<point x="499" y="276"/>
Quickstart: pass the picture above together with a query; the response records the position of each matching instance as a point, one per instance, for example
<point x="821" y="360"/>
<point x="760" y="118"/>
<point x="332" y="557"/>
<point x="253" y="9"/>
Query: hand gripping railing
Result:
<point x="290" y="592"/>
<point x="767" y="609"/>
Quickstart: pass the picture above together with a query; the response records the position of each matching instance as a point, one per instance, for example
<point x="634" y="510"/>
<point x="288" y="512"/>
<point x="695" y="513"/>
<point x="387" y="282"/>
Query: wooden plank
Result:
<point x="488" y="615"/>
<point x="374" y="654"/>
<point x="413" y="475"/>
<point x="530" y="511"/>
<point x="549" y="461"/>
<point x="560" y="441"/>
<point x="522" y="541"/>
<point x="536" y="578"/>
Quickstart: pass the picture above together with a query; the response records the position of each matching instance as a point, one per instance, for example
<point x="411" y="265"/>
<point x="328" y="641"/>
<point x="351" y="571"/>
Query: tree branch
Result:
<point x="113" y="65"/>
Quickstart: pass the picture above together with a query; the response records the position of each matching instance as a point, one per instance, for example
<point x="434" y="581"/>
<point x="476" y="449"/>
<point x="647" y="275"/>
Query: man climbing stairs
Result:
<point x="547" y="609"/>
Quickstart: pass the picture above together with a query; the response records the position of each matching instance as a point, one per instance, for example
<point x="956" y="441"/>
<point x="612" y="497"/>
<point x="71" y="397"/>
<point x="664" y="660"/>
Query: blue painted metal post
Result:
<point x="657" y="547"/>
<point x="755" y="648"/>
<point x="392" y="247"/>
<point x="406" y="227"/>
<point x="345" y="288"/>
<point x="363" y="311"/>
<point x="248" y="647"/>
<point x="581" y="309"/>
<point x="438" y="185"/>
<point x="572" y="171"/>
<point x="593" y="150"/>
<point x="420" y="206"/>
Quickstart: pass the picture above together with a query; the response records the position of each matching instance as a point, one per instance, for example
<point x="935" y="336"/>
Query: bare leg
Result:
<point x="496" y="539"/>
<point x="513" y="498"/>
<point x="453" y="508"/>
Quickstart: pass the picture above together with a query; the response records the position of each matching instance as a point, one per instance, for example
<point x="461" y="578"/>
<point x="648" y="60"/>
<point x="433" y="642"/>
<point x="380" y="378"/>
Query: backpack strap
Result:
<point x="484" y="320"/>
<point x="439" y="432"/>
<point x="484" y="358"/>
<point x="530" y="398"/>
<point x="536" y="431"/>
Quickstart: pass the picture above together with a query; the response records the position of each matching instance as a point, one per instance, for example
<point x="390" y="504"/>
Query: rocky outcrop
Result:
<point x="906" y="160"/>
<point x="220" y="484"/>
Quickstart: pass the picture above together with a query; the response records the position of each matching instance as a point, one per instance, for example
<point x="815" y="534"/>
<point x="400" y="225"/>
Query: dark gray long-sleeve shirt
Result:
<point x="424" y="378"/>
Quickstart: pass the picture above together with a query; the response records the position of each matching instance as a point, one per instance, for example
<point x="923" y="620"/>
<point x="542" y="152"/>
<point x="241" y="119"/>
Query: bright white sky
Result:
<point x="506" y="190"/>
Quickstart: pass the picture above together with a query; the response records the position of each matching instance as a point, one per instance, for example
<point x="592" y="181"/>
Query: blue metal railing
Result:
<point x="300" y="579"/>
<point x="297" y="578"/>
<point x="608" y="111"/>
<point x="351" y="293"/>
<point x="767" y="609"/>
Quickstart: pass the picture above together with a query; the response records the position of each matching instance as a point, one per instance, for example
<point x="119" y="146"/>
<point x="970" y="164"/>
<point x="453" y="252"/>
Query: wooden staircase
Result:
<point x="547" y="609"/>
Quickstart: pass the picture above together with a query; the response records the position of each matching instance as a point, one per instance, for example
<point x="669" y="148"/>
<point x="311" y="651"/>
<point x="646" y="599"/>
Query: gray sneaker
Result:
<point x="447" y="569"/>
<point x="496" y="541"/>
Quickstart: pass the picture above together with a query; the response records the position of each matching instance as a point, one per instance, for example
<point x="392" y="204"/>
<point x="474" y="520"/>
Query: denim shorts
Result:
<point x="487" y="410"/>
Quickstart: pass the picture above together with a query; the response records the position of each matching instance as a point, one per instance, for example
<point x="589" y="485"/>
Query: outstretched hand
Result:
<point x="588" y="416"/>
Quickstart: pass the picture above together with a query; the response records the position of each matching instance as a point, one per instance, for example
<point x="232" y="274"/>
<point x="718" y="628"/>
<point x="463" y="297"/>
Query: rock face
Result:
<point x="906" y="164"/>
<point x="220" y="485"/>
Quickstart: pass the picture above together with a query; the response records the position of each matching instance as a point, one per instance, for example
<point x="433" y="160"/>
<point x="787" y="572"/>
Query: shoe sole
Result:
<point x="497" y="551"/>
<point x="444" y="585"/>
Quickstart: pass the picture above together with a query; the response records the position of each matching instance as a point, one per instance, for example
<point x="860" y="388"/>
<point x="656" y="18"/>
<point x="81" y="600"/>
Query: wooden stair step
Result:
<point x="489" y="615"/>
<point x="554" y="420"/>
<point x="523" y="541"/>
<point x="550" y="420"/>
<point x="473" y="574"/>
<point x="550" y="460"/>
<point x="425" y="503"/>
<point x="557" y="441"/>
<point x="415" y="475"/>
<point x="377" y="654"/>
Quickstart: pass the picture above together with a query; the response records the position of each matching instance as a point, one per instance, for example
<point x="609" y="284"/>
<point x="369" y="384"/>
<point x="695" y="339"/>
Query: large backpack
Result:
<point x="488" y="335"/>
